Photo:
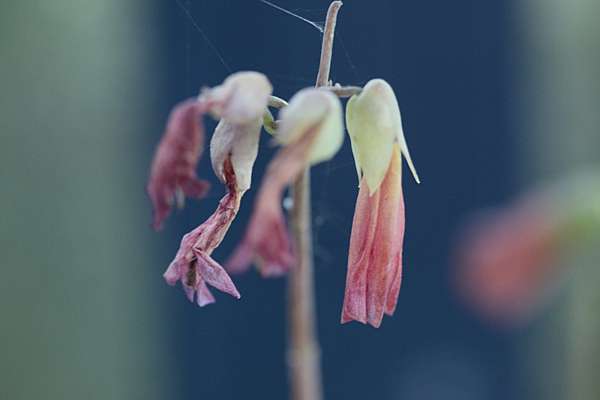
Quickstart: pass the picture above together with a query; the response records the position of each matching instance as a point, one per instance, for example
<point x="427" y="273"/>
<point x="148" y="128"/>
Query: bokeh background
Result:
<point x="495" y="96"/>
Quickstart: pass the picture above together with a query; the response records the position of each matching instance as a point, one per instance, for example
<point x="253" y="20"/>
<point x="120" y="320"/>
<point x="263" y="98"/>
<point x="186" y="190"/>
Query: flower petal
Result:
<point x="387" y="244"/>
<point x="174" y="165"/>
<point x="313" y="108"/>
<point x="241" y="98"/>
<point x="375" y="256"/>
<point x="204" y="297"/>
<point x="361" y="241"/>
<point x="374" y="124"/>
<point x="213" y="274"/>
<point x="394" y="290"/>
<point x="239" y="143"/>
<point x="173" y="273"/>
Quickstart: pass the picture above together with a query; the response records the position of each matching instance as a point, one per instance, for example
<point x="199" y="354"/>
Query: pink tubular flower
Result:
<point x="240" y="102"/>
<point x="311" y="131"/>
<point x="375" y="256"/>
<point x="173" y="169"/>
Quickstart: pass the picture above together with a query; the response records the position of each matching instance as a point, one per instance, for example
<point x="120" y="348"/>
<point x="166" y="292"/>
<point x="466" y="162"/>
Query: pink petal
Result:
<point x="189" y="292"/>
<point x="193" y="265"/>
<point x="174" y="164"/>
<point x="387" y="244"/>
<point x="361" y="240"/>
<point x="172" y="274"/>
<point x="195" y="188"/>
<point x="204" y="296"/>
<point x="375" y="256"/>
<point x="215" y="275"/>
<point x="392" y="297"/>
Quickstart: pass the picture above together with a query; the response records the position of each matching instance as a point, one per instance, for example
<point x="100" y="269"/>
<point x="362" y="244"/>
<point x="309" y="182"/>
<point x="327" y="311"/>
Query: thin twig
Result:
<point x="327" y="46"/>
<point x="304" y="363"/>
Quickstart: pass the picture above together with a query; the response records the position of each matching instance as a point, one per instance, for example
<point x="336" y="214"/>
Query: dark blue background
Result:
<point x="448" y="63"/>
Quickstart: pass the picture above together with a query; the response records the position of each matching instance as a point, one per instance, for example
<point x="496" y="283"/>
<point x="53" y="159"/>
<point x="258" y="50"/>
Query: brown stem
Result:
<point x="327" y="46"/>
<point x="303" y="347"/>
<point x="344" y="91"/>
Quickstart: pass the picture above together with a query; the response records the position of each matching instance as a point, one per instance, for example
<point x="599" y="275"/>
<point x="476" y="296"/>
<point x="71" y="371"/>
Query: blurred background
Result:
<point x="498" y="99"/>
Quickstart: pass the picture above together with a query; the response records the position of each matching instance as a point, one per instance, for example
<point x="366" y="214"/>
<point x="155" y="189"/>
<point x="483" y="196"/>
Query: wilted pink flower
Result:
<point x="173" y="171"/>
<point x="375" y="256"/>
<point x="311" y="131"/>
<point x="240" y="102"/>
<point x="505" y="260"/>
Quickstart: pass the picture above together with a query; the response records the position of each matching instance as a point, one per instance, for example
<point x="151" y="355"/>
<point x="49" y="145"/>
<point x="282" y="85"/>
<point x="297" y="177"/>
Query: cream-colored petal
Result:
<point x="241" y="98"/>
<point x="331" y="137"/>
<point x="390" y="98"/>
<point x="269" y="123"/>
<point x="371" y="126"/>
<point x="240" y="142"/>
<point x="374" y="123"/>
<point x="313" y="109"/>
<point x="356" y="163"/>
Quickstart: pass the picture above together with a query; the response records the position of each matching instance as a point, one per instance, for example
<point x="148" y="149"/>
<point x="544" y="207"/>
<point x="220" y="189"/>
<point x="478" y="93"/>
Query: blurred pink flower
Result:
<point x="506" y="260"/>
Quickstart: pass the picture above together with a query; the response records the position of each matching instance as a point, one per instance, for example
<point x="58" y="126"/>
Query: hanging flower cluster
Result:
<point x="310" y="130"/>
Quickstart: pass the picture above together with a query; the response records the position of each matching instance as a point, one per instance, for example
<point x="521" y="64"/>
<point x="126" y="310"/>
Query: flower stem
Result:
<point x="303" y="346"/>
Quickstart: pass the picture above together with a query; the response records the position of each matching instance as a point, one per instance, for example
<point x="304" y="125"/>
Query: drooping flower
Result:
<point x="240" y="103"/>
<point x="311" y="131"/>
<point x="173" y="173"/>
<point x="375" y="257"/>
